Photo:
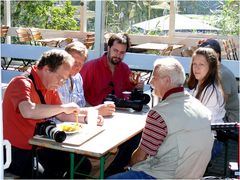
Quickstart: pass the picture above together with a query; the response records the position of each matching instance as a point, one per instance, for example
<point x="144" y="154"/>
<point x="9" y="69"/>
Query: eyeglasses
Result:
<point x="59" y="77"/>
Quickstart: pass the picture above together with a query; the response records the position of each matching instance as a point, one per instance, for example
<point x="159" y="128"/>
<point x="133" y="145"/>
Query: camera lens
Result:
<point x="54" y="133"/>
<point x="49" y="129"/>
<point x="59" y="136"/>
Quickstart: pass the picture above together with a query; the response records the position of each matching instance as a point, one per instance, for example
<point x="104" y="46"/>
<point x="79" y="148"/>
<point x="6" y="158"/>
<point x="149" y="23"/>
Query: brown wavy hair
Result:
<point x="213" y="75"/>
<point x="121" y="39"/>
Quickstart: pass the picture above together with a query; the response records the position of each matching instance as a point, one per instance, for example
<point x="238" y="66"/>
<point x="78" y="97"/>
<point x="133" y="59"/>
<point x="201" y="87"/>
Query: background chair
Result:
<point x="90" y="40"/>
<point x="230" y="49"/>
<point x="3" y="35"/>
<point x="35" y="35"/>
<point x="24" y="36"/>
<point x="188" y="52"/>
<point x="167" y="51"/>
<point x="64" y="42"/>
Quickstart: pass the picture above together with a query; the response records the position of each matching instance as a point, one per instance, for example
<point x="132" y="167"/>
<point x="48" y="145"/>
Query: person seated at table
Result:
<point x="110" y="75"/>
<point x="31" y="99"/>
<point x="72" y="90"/>
<point x="204" y="84"/>
<point x="176" y="142"/>
<point x="228" y="81"/>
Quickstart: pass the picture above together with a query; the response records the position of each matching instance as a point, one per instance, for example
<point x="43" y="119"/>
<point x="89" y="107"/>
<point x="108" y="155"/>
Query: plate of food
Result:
<point x="69" y="127"/>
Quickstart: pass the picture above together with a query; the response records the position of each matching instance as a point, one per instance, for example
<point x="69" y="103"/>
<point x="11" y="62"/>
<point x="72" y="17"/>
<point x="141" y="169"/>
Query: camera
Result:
<point x="139" y="95"/>
<point x="136" y="101"/>
<point x="49" y="129"/>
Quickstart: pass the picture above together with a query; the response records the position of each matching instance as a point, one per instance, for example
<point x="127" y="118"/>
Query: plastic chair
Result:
<point x="24" y="36"/>
<point x="36" y="35"/>
<point x="90" y="40"/>
<point x="188" y="52"/>
<point x="3" y="35"/>
<point x="230" y="49"/>
<point x="64" y="42"/>
<point x="167" y="51"/>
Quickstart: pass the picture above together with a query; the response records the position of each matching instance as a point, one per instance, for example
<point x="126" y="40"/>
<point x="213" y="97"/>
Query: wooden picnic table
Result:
<point x="162" y="49"/>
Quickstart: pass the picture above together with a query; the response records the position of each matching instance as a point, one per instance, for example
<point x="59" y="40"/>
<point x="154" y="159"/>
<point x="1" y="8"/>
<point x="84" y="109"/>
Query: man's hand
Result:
<point x="140" y="85"/>
<point x="73" y="108"/>
<point x="134" y="77"/>
<point x="106" y="109"/>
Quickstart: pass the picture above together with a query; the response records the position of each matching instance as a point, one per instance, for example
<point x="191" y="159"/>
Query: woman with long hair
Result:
<point x="204" y="82"/>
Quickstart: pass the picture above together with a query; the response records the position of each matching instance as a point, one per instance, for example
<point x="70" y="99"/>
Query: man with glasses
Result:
<point x="72" y="90"/>
<point x="110" y="75"/>
<point x="32" y="99"/>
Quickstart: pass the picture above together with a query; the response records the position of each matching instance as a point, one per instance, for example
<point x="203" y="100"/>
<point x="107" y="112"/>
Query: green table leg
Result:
<point x="71" y="165"/>
<point x="102" y="162"/>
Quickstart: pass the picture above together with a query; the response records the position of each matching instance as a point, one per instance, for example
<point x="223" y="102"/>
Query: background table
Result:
<point x="55" y="42"/>
<point x="156" y="46"/>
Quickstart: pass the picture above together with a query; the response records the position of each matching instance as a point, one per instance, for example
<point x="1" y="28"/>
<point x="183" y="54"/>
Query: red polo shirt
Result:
<point x="98" y="80"/>
<point x="16" y="129"/>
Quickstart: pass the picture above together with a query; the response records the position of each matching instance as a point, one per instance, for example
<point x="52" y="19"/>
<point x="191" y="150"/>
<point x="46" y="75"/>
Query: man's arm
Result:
<point x="153" y="135"/>
<point x="32" y="110"/>
<point x="72" y="117"/>
<point x="138" y="156"/>
<point x="226" y="97"/>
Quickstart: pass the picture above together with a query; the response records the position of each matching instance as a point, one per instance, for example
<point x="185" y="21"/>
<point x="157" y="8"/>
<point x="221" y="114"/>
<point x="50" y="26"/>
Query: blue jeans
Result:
<point x="217" y="148"/>
<point x="131" y="175"/>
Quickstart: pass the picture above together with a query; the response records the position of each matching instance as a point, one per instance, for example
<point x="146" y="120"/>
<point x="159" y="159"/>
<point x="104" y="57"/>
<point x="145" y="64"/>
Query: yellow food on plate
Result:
<point x="69" y="127"/>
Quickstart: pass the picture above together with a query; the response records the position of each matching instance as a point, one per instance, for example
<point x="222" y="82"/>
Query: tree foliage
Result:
<point x="43" y="14"/>
<point x="121" y="15"/>
<point x="30" y="13"/>
<point x="62" y="18"/>
<point x="227" y="19"/>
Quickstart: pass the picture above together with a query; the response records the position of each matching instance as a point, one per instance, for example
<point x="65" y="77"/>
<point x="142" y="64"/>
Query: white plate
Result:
<point x="59" y="126"/>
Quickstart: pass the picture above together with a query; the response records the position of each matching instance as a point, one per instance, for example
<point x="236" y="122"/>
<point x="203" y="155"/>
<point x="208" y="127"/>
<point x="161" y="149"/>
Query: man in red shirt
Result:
<point x="108" y="74"/>
<point x="31" y="99"/>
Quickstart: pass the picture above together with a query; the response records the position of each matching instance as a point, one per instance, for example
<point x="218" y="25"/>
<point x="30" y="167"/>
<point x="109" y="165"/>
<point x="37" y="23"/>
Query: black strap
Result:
<point x="38" y="91"/>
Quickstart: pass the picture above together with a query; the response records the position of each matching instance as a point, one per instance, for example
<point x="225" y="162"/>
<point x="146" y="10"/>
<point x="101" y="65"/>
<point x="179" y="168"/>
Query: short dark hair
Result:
<point x="212" y="43"/>
<point x="120" y="38"/>
<point x="54" y="59"/>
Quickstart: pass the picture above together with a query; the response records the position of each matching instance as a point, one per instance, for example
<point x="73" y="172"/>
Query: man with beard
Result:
<point x="108" y="74"/>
